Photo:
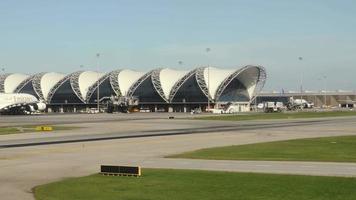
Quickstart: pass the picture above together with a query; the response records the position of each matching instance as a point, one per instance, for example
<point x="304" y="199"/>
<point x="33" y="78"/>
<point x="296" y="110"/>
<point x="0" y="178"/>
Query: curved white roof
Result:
<point x="249" y="77"/>
<point x="87" y="79"/>
<point x="126" y="78"/>
<point x="217" y="76"/>
<point x="164" y="80"/>
<point x="168" y="77"/>
<point x="12" y="81"/>
<point x="48" y="81"/>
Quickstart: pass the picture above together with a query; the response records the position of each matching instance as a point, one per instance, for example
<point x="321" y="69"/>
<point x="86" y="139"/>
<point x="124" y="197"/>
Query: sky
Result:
<point x="65" y="36"/>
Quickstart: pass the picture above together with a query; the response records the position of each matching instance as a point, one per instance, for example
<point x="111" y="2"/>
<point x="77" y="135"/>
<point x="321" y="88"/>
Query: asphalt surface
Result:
<point x="10" y="120"/>
<point x="209" y="128"/>
<point x="145" y="140"/>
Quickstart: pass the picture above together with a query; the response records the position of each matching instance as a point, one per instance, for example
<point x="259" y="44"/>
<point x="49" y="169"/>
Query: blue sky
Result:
<point x="60" y="36"/>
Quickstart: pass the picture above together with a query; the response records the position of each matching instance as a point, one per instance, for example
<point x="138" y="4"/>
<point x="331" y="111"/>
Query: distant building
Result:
<point x="159" y="89"/>
<point x="337" y="98"/>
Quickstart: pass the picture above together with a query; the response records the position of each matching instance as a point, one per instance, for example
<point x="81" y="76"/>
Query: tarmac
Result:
<point x="42" y="158"/>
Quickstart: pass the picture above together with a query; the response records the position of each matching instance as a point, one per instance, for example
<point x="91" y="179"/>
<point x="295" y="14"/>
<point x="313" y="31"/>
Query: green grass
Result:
<point x="9" y="130"/>
<point x="55" y="128"/>
<point x="30" y="128"/>
<point x="163" y="184"/>
<point x="288" y="115"/>
<point x="333" y="149"/>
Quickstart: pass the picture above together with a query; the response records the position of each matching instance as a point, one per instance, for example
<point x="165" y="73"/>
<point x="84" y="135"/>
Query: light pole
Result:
<point x="301" y="84"/>
<point x="324" y="90"/>
<point x="256" y="102"/>
<point x="208" y="85"/>
<point x="323" y="79"/>
<point x="180" y="63"/>
<point x="97" y="83"/>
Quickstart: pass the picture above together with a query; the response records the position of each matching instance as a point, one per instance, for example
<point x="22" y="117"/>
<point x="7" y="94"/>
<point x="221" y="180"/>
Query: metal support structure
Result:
<point x="262" y="77"/>
<point x="208" y="85"/>
<point x="36" y="83"/>
<point x="114" y="82"/>
<point x="2" y="82"/>
<point x="179" y="83"/>
<point x="93" y="87"/>
<point x="23" y="83"/>
<point x="134" y="86"/>
<point x="227" y="81"/>
<point x="255" y="84"/>
<point x="157" y="83"/>
<point x="98" y="83"/>
<point x="74" y="83"/>
<point x="260" y="81"/>
<point x="73" y="79"/>
<point x="199" y="76"/>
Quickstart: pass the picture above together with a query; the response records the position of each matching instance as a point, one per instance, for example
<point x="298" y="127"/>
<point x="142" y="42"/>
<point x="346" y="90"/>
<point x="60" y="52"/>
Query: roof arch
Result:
<point x="208" y="80"/>
<point x="114" y="81"/>
<point x="36" y="84"/>
<point x="9" y="82"/>
<point x="148" y="88"/>
<point x="48" y="81"/>
<point x="73" y="81"/>
<point x="188" y="88"/>
<point x="137" y="83"/>
<point x="23" y="83"/>
<point x="156" y="81"/>
<point x="2" y="82"/>
<point x="95" y="85"/>
<point x="200" y="78"/>
<point x="213" y="77"/>
<point x="168" y="79"/>
<point x="251" y="77"/>
<point x="179" y="84"/>
<point x="163" y="80"/>
<point x="44" y="82"/>
<point x="87" y="80"/>
<point x="121" y="80"/>
<point x="162" y="85"/>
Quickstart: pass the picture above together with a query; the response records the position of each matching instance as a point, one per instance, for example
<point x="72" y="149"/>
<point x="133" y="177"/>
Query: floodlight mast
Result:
<point x="325" y="89"/>
<point x="208" y="85"/>
<point x="97" y="83"/>
<point x="301" y="85"/>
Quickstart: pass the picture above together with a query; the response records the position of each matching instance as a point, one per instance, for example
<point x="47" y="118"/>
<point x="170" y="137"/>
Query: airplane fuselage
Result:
<point x="19" y="104"/>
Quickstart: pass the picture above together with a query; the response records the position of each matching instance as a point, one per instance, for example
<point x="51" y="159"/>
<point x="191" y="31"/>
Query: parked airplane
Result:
<point x="20" y="104"/>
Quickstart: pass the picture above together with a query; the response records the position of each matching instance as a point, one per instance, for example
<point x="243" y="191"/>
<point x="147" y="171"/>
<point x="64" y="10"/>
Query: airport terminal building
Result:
<point x="161" y="89"/>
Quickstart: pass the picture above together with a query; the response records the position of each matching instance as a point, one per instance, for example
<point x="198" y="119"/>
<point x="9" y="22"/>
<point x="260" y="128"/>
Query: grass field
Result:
<point x="289" y="115"/>
<point x="9" y="130"/>
<point x="30" y="128"/>
<point x="163" y="184"/>
<point x="338" y="149"/>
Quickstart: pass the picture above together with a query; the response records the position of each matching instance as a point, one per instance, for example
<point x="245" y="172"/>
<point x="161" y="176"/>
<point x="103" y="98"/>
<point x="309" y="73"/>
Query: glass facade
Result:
<point x="234" y="92"/>
<point x="146" y="92"/>
<point x="190" y="92"/>
<point x="105" y="90"/>
<point x="65" y="95"/>
<point x="28" y="89"/>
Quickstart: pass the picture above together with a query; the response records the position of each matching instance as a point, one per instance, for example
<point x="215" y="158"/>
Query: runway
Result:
<point x="145" y="140"/>
<point x="208" y="128"/>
